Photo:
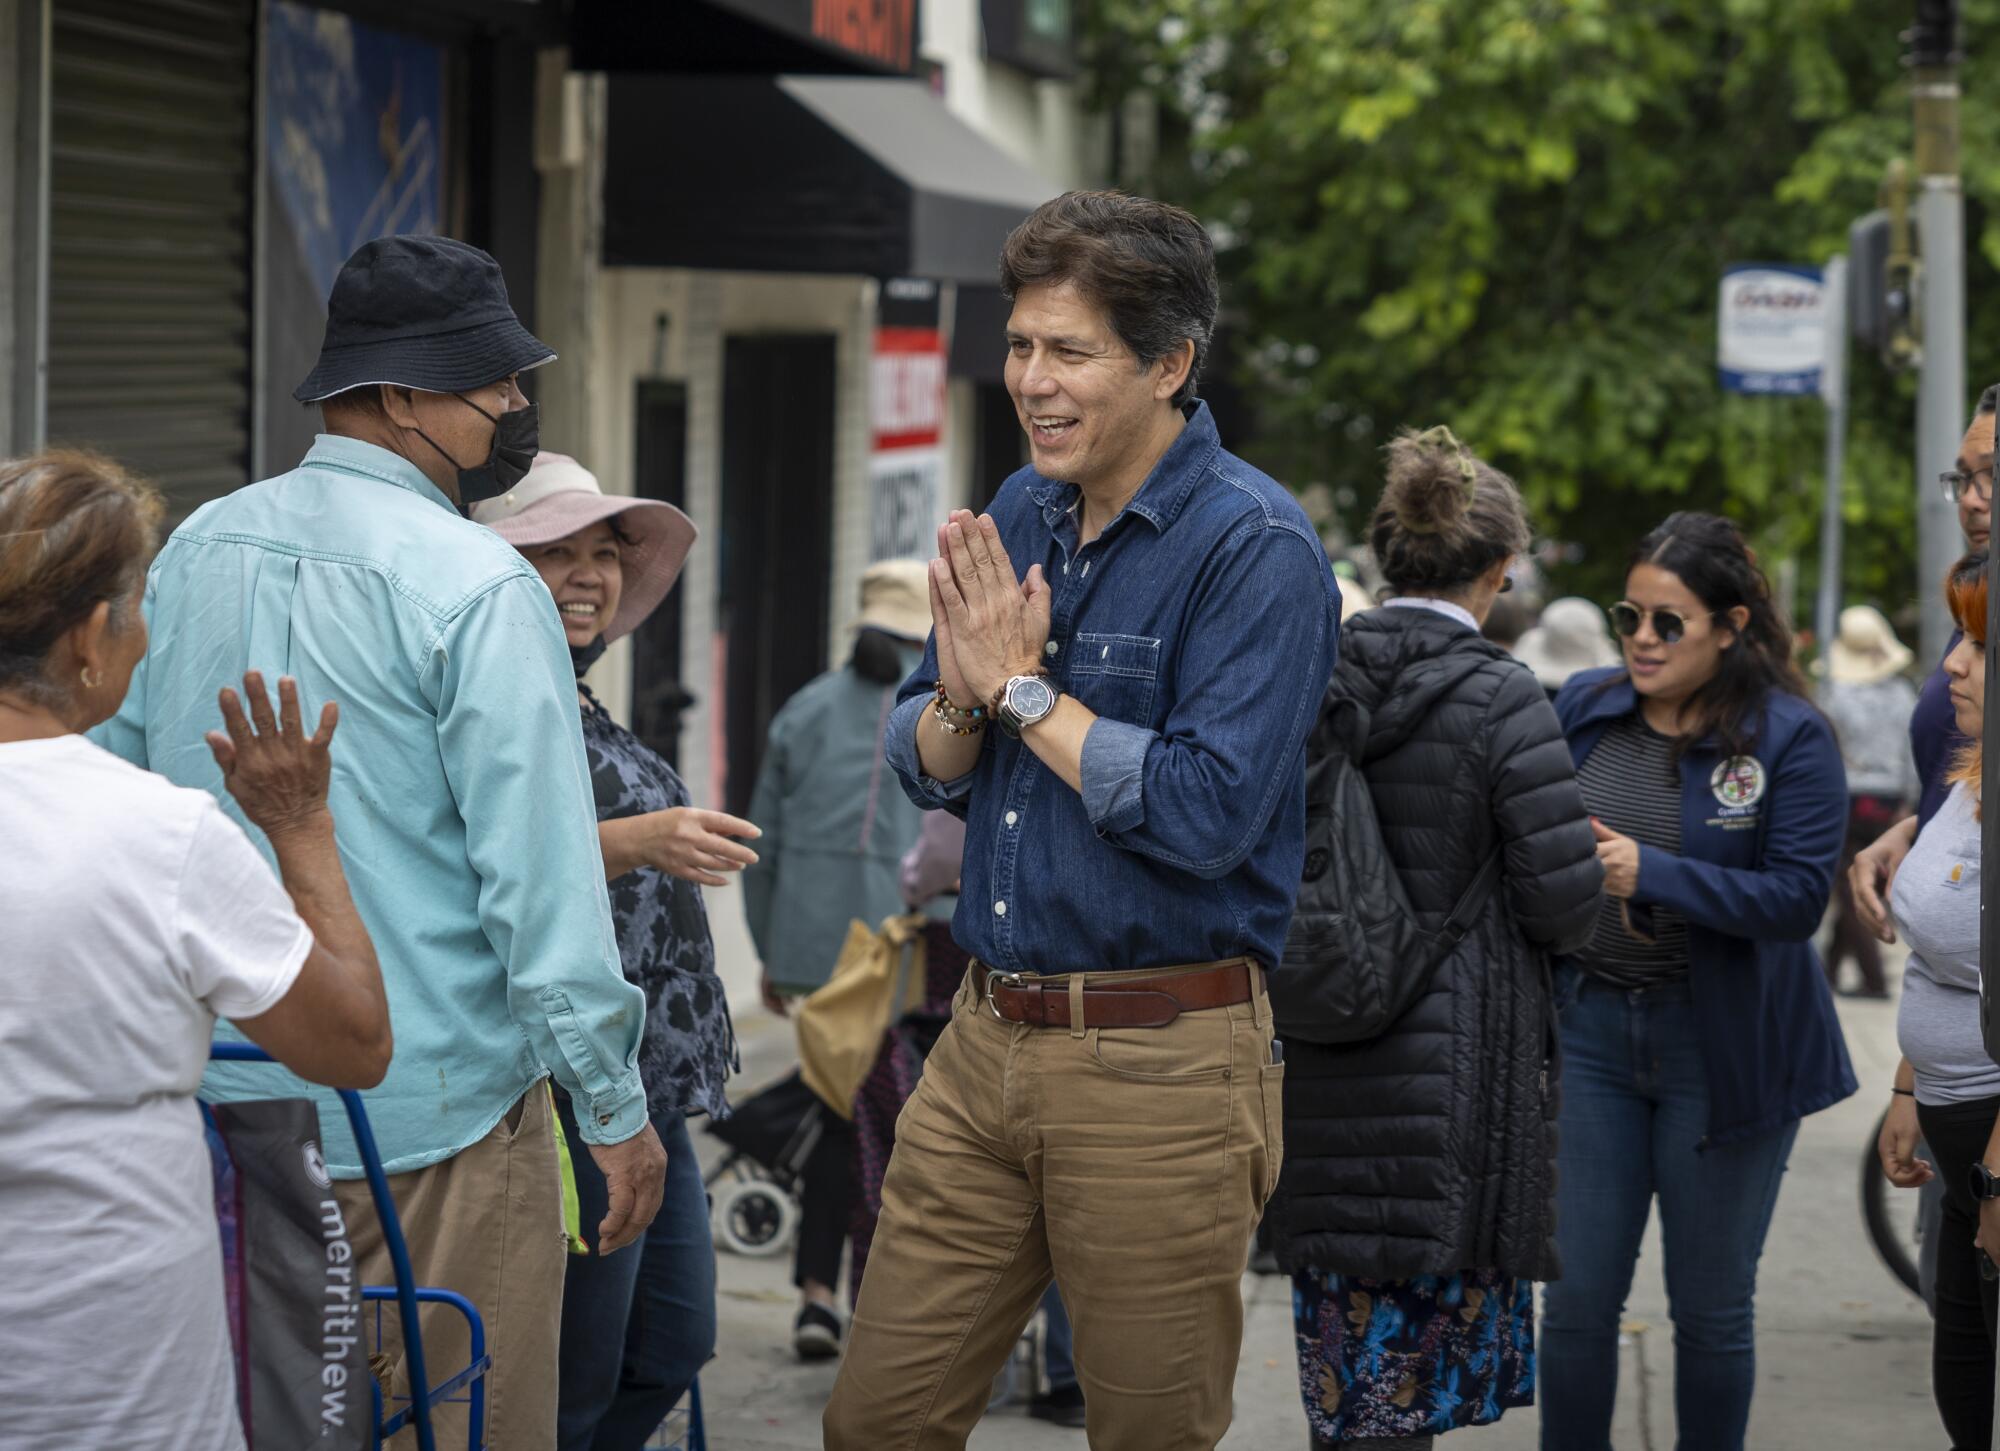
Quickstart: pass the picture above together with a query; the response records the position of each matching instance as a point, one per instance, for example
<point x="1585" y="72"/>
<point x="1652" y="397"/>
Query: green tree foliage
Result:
<point x="1512" y="215"/>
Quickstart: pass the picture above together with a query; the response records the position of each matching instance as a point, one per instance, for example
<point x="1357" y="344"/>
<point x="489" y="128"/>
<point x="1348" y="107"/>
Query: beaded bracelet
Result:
<point x="956" y="722"/>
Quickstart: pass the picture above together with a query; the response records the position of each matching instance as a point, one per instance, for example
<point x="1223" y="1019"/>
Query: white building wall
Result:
<point x="1040" y="123"/>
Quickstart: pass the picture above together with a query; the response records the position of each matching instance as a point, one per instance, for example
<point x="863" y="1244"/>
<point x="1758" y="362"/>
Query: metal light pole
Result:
<point x="1833" y="392"/>
<point x="1941" y="401"/>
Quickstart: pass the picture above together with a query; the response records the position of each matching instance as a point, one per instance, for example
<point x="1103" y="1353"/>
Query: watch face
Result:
<point x="1031" y="699"/>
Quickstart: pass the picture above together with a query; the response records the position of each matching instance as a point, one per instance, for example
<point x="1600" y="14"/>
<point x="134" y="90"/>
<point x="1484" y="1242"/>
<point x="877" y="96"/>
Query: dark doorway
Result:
<point x="999" y="447"/>
<point x="659" y="471"/>
<point x="777" y="529"/>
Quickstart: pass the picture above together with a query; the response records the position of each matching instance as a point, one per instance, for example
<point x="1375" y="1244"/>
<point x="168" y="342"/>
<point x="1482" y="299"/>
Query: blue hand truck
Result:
<point x="407" y="1294"/>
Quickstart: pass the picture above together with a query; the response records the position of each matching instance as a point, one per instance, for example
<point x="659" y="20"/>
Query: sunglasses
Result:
<point x="1669" y="625"/>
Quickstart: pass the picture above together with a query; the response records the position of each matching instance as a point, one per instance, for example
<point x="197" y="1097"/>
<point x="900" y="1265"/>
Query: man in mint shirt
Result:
<point x="466" y="821"/>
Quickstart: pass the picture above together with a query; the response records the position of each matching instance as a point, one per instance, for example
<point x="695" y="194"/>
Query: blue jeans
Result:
<point x="1634" y="1108"/>
<point x="637" y="1324"/>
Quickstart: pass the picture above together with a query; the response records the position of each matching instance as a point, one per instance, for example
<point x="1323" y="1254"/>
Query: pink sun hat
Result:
<point x="559" y="496"/>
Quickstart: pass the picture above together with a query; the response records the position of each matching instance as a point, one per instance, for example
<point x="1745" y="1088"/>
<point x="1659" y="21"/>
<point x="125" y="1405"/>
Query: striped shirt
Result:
<point x="1632" y="785"/>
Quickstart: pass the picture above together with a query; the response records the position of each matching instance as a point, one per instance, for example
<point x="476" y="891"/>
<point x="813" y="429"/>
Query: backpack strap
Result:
<point x="1471" y="904"/>
<point x="1342" y="727"/>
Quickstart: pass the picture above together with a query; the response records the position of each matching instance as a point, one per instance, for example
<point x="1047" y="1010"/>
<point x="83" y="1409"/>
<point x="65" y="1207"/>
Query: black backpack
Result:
<point x="1355" y="958"/>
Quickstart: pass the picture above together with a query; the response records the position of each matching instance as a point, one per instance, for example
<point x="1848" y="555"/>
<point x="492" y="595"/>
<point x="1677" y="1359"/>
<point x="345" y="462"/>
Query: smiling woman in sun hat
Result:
<point x="637" y="1323"/>
<point x="1867" y="696"/>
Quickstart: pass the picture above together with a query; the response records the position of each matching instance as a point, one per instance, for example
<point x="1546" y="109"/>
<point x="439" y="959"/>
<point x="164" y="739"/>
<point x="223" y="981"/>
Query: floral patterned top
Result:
<point x="689" y="1047"/>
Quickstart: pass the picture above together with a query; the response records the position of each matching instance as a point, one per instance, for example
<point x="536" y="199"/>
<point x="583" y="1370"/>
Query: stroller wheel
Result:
<point x="755" y="1218"/>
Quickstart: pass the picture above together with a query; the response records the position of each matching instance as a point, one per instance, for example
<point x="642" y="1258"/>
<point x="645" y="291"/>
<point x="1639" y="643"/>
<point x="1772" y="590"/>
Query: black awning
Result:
<point x="744" y="37"/>
<point x="858" y="176"/>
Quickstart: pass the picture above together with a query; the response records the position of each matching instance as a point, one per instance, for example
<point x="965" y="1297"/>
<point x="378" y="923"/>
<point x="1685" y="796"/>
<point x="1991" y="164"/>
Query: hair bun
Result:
<point x="1430" y="483"/>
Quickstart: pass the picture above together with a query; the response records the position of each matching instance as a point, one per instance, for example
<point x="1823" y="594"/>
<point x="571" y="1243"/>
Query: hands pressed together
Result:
<point x="991" y="625"/>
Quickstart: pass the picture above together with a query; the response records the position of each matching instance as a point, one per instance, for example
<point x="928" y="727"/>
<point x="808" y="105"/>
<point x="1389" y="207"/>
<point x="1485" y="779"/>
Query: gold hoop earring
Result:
<point x="92" y="678"/>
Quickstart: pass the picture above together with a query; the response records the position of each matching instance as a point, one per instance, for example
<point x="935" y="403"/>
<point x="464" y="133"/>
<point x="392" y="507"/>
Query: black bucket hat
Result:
<point x="420" y="312"/>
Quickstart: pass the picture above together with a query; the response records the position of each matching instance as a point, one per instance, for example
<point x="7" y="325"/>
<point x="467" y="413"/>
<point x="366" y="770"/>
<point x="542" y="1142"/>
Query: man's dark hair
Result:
<point x="1150" y="267"/>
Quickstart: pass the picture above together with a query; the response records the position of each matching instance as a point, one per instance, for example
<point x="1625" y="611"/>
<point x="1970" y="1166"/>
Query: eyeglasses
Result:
<point x="1669" y="625"/>
<point x="1956" y="482"/>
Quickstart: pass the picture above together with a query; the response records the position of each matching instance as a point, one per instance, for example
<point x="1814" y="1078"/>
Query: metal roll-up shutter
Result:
<point x="150" y="237"/>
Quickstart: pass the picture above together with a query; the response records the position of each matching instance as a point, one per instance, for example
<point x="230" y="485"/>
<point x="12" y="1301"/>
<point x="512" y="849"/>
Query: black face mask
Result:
<point x="582" y="657"/>
<point x="516" y="439"/>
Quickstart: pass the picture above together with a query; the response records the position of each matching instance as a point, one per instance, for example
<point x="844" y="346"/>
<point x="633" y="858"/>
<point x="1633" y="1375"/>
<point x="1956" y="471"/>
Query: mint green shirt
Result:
<point x="461" y="800"/>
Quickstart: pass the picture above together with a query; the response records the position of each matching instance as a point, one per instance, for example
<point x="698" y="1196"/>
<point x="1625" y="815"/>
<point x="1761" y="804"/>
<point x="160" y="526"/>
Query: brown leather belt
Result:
<point x="1147" y="998"/>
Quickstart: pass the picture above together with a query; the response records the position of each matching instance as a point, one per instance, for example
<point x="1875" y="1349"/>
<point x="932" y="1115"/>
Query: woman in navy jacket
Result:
<point x="1697" y="1028"/>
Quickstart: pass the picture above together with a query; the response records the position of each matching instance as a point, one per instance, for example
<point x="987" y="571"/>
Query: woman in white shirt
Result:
<point x="136" y="914"/>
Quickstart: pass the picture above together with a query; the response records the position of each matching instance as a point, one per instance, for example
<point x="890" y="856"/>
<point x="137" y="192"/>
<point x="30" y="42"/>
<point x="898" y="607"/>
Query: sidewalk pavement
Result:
<point x="1843" y="1351"/>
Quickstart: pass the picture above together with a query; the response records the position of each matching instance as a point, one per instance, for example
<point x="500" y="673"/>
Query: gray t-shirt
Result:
<point x="1936" y="906"/>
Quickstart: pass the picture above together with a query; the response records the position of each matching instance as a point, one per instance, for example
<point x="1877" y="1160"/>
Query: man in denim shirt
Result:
<point x="1123" y="729"/>
<point x="466" y="819"/>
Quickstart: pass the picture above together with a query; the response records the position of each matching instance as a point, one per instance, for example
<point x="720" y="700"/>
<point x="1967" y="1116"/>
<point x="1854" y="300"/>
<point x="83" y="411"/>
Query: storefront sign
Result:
<point x="906" y="394"/>
<point x="883" y="31"/>
<point x="1770" y="329"/>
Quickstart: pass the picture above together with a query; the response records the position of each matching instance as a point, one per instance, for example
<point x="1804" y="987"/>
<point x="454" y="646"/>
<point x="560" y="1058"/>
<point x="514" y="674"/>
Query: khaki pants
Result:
<point x="1129" y="1163"/>
<point x="487" y="1223"/>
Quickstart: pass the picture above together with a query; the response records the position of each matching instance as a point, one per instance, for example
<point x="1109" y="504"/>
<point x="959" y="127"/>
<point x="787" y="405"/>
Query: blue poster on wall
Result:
<point x="354" y="119"/>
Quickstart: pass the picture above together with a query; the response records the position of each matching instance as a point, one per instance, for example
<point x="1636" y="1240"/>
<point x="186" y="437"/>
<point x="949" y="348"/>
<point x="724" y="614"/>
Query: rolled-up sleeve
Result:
<point x="899" y="742"/>
<point x="512" y="746"/>
<point x="1113" y="769"/>
<point x="1252" y="667"/>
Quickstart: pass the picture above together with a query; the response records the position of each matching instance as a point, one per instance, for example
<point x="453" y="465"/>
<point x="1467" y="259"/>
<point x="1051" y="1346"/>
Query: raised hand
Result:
<point x="277" y="773"/>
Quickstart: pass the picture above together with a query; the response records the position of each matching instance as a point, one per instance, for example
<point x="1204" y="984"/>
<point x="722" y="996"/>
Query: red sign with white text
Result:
<point x="907" y="388"/>
<point x="884" y="31"/>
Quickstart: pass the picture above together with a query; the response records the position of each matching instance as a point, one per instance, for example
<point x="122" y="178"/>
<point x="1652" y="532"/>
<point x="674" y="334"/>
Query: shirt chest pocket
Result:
<point x="1115" y="675"/>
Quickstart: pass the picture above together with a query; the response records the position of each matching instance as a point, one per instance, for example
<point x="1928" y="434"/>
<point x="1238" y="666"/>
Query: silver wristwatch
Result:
<point x="1024" y="700"/>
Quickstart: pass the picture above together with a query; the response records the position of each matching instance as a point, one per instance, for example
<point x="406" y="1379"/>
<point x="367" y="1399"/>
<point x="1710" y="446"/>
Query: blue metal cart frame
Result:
<point x="405" y="1292"/>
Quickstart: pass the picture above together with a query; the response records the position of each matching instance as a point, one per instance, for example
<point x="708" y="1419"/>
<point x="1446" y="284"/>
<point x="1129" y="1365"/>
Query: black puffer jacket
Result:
<point x="1432" y="1148"/>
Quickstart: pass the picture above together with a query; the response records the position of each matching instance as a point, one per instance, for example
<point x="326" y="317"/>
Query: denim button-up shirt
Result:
<point x="1200" y="626"/>
<point x="461" y="800"/>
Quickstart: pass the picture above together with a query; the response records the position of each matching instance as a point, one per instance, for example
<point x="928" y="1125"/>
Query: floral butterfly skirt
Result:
<point x="1412" y="1357"/>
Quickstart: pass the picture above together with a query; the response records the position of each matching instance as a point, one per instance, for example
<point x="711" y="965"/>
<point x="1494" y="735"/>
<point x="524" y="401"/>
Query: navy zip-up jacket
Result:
<point x="1760" y="838"/>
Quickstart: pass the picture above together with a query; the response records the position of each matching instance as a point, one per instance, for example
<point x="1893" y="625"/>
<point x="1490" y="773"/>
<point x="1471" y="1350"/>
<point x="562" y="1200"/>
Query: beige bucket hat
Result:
<point x="560" y="496"/>
<point x="896" y="599"/>
<point x="1866" y="650"/>
<point x="1572" y="635"/>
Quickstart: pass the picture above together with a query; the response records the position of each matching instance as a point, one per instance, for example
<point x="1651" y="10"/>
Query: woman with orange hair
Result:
<point x="1947" y="1087"/>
